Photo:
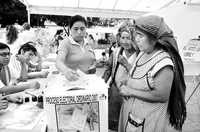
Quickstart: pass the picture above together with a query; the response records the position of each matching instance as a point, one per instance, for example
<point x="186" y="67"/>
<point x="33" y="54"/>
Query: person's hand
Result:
<point x="44" y="74"/>
<point x="38" y="67"/>
<point x="71" y="75"/>
<point x="15" y="82"/>
<point x="124" y="91"/>
<point x="45" y="67"/>
<point x="123" y="82"/>
<point x="15" y="98"/>
<point x="3" y="103"/>
<point x="34" y="85"/>
<point x="21" y="59"/>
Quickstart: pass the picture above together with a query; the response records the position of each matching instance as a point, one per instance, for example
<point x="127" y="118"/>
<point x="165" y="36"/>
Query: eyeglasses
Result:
<point x="5" y="54"/>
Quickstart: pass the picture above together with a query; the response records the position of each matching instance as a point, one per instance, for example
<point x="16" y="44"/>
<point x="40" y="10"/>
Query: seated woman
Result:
<point x="155" y="89"/>
<point x="19" y="64"/>
<point x="73" y="52"/>
<point x="6" y="87"/>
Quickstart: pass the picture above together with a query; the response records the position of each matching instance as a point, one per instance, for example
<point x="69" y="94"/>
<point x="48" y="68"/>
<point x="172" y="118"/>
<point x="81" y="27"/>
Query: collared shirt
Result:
<point x="130" y="59"/>
<point x="78" y="56"/>
<point x="4" y="76"/>
<point x="15" y="68"/>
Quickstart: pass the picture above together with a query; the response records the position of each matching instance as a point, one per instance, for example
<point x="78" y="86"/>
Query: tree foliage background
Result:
<point x="13" y="11"/>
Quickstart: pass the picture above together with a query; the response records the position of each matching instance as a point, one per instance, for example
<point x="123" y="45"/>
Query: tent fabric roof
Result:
<point x="186" y="26"/>
<point x="98" y="8"/>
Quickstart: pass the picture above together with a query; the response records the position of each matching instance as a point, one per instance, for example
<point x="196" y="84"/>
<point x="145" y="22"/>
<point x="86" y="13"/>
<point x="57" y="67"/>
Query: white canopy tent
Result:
<point x="184" y="19"/>
<point x="95" y="8"/>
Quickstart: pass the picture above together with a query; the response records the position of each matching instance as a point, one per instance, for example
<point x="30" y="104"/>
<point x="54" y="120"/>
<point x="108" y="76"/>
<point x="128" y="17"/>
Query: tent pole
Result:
<point x="28" y="14"/>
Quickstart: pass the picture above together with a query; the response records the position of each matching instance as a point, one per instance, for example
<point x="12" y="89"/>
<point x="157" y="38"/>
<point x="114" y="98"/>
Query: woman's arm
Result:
<point x="161" y="91"/>
<point x="61" y="56"/>
<point x="23" y="72"/>
<point x="19" y="87"/>
<point x="41" y="74"/>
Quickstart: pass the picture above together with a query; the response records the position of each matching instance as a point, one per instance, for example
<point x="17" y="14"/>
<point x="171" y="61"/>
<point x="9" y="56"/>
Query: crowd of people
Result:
<point x="144" y="72"/>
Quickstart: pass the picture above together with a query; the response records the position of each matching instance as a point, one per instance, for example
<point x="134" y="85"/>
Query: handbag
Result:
<point x="134" y="123"/>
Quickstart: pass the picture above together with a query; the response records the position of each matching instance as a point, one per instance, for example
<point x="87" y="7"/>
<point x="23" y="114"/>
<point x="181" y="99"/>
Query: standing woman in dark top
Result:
<point x="115" y="72"/>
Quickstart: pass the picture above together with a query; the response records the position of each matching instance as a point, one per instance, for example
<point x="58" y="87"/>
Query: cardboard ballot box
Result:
<point x="77" y="106"/>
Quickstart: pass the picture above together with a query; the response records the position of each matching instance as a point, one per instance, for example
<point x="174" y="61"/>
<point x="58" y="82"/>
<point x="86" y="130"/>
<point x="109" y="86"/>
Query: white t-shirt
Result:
<point x="15" y="68"/>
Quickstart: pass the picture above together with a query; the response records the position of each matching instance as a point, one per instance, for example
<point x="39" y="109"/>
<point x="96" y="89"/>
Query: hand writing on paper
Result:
<point x="71" y="75"/>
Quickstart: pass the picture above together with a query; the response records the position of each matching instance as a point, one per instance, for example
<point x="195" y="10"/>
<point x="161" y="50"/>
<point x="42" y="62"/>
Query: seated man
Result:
<point x="19" y="64"/>
<point x="5" y="87"/>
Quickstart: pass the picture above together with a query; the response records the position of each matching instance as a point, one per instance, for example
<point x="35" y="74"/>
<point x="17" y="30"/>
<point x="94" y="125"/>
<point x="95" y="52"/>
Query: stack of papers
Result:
<point x="85" y="81"/>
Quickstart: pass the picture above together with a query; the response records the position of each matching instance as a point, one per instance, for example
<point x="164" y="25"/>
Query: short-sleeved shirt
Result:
<point x="4" y="76"/>
<point x="78" y="56"/>
<point x="15" y="68"/>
